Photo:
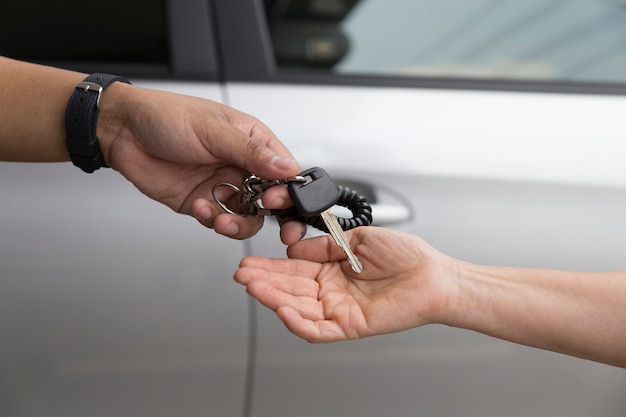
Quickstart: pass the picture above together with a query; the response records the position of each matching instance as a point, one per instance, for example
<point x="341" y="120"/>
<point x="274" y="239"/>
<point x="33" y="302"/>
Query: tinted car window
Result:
<point x="531" y="40"/>
<point x="73" y="30"/>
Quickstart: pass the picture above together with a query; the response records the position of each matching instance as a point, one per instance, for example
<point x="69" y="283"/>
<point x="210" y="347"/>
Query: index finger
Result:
<point x="261" y="152"/>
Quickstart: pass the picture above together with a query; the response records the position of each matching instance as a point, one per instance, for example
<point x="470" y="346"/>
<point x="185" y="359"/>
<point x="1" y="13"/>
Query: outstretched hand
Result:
<point x="174" y="148"/>
<point x="319" y="298"/>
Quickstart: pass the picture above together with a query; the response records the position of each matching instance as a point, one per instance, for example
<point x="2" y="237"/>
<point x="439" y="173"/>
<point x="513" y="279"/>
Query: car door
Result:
<point x="491" y="129"/>
<point x="110" y="303"/>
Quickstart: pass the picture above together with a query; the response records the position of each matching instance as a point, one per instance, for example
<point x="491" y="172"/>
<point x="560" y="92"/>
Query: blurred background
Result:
<point x="492" y="128"/>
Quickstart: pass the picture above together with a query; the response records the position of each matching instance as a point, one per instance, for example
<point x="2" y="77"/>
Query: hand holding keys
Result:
<point x="315" y="196"/>
<point x="313" y="193"/>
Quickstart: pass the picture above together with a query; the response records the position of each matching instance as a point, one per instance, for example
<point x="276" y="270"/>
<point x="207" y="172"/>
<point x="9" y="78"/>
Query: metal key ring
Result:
<point x="251" y="192"/>
<point x="222" y="204"/>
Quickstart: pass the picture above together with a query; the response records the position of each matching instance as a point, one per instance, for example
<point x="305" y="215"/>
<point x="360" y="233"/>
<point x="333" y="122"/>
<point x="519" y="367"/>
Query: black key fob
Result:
<point x="316" y="194"/>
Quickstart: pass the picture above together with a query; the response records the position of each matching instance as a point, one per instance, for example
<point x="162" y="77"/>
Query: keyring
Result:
<point x="223" y="205"/>
<point x="250" y="194"/>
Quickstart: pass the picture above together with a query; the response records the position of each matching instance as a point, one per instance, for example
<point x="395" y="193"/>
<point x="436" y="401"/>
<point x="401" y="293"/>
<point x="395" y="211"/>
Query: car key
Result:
<point x="315" y="196"/>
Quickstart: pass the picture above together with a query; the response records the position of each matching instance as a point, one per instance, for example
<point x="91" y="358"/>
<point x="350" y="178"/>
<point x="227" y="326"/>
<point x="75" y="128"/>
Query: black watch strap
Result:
<point x="81" y="118"/>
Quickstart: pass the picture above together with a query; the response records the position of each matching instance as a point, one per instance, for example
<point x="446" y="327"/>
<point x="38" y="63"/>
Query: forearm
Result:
<point x="33" y="100"/>
<point x="575" y="313"/>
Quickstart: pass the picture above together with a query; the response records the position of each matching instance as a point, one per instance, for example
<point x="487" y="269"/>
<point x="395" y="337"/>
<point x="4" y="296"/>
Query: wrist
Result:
<point x="115" y="106"/>
<point x="81" y="119"/>
<point x="453" y="304"/>
<point x="486" y="296"/>
<point x="436" y="286"/>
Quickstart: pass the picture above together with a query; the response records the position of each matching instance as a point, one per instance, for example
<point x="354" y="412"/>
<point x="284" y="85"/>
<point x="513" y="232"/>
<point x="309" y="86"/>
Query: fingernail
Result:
<point x="281" y="162"/>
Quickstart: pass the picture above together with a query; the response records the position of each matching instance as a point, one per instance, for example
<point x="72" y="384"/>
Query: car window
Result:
<point x="530" y="40"/>
<point x="76" y="30"/>
<point x="125" y="37"/>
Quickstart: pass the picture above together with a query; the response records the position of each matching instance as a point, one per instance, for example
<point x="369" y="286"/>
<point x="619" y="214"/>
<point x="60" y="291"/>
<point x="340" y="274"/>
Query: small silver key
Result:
<point x="341" y="239"/>
<point x="315" y="196"/>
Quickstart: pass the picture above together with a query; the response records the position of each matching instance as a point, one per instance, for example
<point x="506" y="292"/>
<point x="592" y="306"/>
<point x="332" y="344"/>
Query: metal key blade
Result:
<point x="341" y="239"/>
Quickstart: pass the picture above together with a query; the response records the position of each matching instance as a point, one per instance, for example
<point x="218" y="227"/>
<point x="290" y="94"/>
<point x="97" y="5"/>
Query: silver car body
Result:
<point x="111" y="304"/>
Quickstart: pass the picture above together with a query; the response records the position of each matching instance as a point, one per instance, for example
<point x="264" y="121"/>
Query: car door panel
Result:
<point x="442" y="371"/>
<point x="504" y="184"/>
<point x="111" y="303"/>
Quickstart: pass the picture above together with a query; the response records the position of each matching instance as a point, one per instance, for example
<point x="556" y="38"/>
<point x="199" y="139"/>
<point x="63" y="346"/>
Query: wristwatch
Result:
<point x="81" y="118"/>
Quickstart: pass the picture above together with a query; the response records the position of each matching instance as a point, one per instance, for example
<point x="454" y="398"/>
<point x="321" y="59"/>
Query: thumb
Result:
<point x="267" y="158"/>
<point x="318" y="249"/>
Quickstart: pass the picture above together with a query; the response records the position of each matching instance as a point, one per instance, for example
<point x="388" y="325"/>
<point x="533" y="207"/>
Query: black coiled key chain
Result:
<point x="314" y="194"/>
<point x="252" y="190"/>
<point x="314" y="198"/>
<point x="348" y="198"/>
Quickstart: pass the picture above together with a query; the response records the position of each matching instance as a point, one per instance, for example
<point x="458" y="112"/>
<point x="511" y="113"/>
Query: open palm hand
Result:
<point x="319" y="298"/>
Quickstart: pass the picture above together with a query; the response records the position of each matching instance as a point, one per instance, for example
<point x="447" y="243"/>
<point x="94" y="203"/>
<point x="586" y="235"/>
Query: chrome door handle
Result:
<point x="382" y="214"/>
<point x="388" y="207"/>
